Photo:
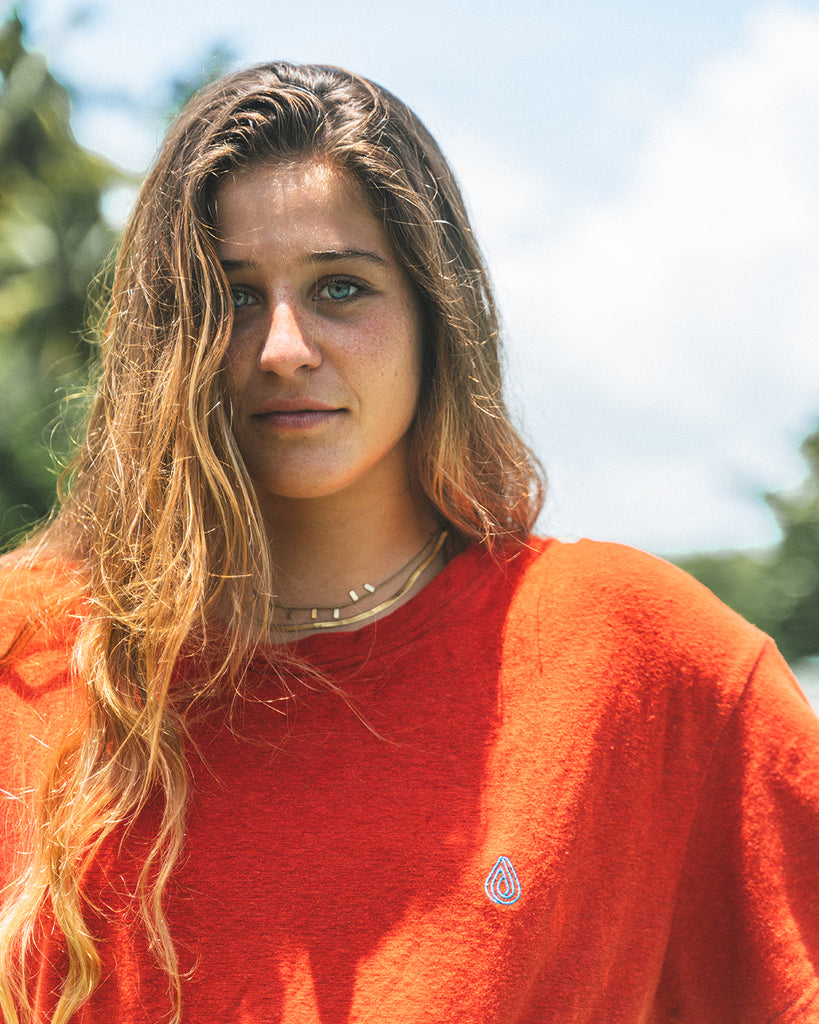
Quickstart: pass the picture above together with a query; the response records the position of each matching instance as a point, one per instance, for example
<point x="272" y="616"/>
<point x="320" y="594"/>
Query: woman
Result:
<point x="301" y="723"/>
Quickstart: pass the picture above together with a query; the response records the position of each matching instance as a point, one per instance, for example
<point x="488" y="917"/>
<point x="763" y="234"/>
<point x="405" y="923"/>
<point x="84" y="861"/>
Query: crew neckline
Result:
<point x="434" y="605"/>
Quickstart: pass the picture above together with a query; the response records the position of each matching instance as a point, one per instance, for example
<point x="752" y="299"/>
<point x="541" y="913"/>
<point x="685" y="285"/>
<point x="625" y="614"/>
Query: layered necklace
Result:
<point x="330" y="616"/>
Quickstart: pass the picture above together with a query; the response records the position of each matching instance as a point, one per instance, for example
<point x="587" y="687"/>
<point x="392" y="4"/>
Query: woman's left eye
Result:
<point x="339" y="291"/>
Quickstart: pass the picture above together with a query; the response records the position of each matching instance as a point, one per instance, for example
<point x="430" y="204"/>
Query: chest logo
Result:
<point x="502" y="885"/>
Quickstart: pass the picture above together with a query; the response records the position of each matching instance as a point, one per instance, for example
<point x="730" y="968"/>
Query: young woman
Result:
<point x="300" y="723"/>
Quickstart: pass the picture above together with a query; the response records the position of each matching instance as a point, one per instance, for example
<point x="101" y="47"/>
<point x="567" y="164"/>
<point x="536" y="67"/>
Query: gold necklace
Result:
<point x="427" y="554"/>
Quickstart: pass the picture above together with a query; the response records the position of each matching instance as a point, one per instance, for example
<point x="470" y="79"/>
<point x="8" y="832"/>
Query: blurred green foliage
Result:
<point x="777" y="589"/>
<point x="53" y="241"/>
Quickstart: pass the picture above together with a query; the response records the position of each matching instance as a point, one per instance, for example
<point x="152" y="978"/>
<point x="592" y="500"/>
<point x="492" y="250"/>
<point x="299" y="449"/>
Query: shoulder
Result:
<point x="635" y="607"/>
<point x="40" y="702"/>
<point x="613" y="580"/>
<point x="41" y="596"/>
<point x="41" y="607"/>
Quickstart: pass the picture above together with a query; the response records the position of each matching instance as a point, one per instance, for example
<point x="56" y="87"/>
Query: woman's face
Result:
<point x="323" y="366"/>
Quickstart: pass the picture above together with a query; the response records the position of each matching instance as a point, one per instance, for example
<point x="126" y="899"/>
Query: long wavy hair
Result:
<point x="158" y="516"/>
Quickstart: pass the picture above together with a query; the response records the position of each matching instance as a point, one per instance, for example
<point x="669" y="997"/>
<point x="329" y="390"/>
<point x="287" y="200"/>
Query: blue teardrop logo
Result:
<point x="502" y="885"/>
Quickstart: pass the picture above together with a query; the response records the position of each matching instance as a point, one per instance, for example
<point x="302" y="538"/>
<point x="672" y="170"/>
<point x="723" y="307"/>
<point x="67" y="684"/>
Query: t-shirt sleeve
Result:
<point x="744" y="944"/>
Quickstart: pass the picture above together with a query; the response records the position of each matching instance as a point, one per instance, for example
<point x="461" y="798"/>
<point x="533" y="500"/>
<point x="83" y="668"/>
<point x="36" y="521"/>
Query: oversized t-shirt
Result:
<point x="566" y="786"/>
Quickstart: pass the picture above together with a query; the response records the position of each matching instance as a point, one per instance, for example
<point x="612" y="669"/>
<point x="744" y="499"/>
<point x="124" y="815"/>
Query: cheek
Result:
<point x="230" y="383"/>
<point x="406" y="376"/>
<point x="410" y="348"/>
<point x="414" y="377"/>
<point x="386" y="356"/>
<point x="238" y="366"/>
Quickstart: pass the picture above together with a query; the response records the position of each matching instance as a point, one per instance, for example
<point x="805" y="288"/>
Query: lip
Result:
<point x="293" y="405"/>
<point x="295" y="414"/>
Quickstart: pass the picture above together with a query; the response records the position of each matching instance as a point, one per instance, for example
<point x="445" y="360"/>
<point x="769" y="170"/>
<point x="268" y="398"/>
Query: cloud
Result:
<point x="667" y="339"/>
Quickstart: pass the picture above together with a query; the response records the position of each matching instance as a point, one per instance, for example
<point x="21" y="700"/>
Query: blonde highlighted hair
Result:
<point x="159" y="518"/>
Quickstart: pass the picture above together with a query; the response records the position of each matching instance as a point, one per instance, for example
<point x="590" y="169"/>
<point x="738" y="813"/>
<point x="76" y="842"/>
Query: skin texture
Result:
<point x="323" y="374"/>
<point x="323" y="365"/>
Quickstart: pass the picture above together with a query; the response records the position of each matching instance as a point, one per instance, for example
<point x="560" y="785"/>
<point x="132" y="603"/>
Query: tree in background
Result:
<point x="777" y="589"/>
<point x="53" y="241"/>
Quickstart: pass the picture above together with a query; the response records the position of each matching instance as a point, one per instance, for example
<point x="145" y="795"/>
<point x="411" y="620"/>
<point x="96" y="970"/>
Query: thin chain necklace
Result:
<point x="425" y="557"/>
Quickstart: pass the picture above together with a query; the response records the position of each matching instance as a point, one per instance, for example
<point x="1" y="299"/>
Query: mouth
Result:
<point x="295" y="413"/>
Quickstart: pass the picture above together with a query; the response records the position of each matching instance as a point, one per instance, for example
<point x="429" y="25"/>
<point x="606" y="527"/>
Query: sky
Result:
<point x="644" y="180"/>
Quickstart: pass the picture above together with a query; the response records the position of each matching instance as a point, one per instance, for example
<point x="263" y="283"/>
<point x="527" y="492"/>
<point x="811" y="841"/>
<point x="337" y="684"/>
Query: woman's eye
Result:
<point x="339" y="291"/>
<point x="241" y="298"/>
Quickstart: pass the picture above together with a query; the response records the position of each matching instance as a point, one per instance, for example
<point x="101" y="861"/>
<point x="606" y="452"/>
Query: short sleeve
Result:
<point x="744" y="944"/>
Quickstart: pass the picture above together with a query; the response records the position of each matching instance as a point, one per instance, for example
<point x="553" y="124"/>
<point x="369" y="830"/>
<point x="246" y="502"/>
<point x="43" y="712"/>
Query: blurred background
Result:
<point x="644" y="179"/>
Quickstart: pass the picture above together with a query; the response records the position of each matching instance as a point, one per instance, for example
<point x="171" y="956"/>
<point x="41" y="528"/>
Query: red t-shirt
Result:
<point x="569" y="787"/>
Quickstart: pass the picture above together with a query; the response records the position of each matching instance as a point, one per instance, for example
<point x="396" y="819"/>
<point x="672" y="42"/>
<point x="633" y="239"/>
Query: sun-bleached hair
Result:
<point x="159" y="517"/>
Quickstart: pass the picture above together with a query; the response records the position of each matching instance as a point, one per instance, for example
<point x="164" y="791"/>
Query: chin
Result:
<point x="302" y="489"/>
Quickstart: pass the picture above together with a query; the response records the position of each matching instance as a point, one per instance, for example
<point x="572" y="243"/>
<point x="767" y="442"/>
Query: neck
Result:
<point x="323" y="548"/>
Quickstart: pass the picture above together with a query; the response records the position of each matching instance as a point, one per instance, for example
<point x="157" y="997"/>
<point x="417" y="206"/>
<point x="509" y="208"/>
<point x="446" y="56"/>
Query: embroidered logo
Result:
<point x="502" y="885"/>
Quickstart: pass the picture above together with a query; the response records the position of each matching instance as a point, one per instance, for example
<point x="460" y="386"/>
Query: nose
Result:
<point x="288" y="346"/>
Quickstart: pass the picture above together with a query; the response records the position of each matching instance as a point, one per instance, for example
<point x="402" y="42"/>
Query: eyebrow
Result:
<point x="322" y="256"/>
<point x="336" y="255"/>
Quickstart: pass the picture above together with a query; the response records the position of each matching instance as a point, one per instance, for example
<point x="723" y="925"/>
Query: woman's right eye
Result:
<point x="241" y="298"/>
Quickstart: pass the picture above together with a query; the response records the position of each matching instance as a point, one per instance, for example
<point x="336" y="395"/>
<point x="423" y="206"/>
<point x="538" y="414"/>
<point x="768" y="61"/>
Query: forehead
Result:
<point x="292" y="194"/>
<point x="299" y="173"/>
